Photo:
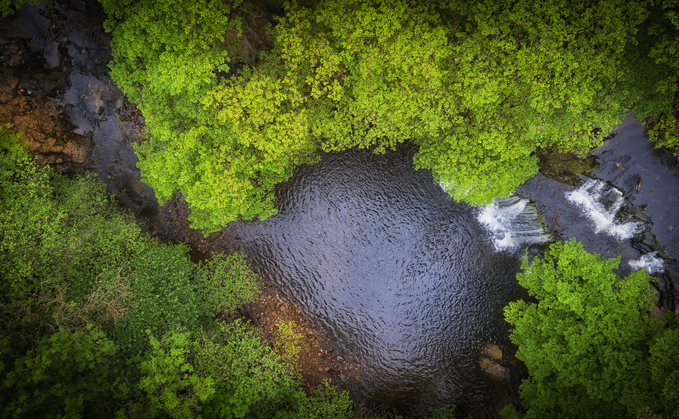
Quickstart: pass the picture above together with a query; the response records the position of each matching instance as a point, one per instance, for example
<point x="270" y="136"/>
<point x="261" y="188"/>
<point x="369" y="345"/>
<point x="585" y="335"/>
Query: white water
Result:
<point x="512" y="222"/>
<point x="650" y="261"/>
<point x="601" y="204"/>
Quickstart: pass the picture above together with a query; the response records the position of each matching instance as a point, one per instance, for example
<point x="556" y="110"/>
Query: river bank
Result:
<point x="78" y="121"/>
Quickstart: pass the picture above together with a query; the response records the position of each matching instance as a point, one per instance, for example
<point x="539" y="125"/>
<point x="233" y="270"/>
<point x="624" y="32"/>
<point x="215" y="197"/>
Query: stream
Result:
<point x="394" y="276"/>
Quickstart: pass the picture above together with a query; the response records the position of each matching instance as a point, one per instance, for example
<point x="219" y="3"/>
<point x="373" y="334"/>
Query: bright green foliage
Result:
<point x="62" y="373"/>
<point x="97" y="320"/>
<point x="664" y="366"/>
<point x="584" y="341"/>
<point x="57" y="235"/>
<point x="478" y="87"/>
<point x="162" y="296"/>
<point x="167" y="56"/>
<point x="224" y="283"/>
<point x="325" y="403"/>
<point x="7" y="7"/>
<point x="229" y="373"/>
<point x="250" y="379"/>
<point x="664" y="129"/>
<point x="170" y="381"/>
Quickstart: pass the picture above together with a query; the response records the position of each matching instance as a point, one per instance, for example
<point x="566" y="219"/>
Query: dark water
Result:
<point x="647" y="193"/>
<point x="395" y="276"/>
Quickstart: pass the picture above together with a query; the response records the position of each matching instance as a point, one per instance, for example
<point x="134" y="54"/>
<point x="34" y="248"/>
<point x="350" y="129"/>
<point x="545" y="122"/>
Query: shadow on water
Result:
<point x="395" y="275"/>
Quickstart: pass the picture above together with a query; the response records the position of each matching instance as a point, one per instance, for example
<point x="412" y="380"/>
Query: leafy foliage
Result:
<point x="325" y="403"/>
<point x="60" y="375"/>
<point x="8" y="7"/>
<point x="477" y="87"/>
<point x="98" y="320"/>
<point x="225" y="282"/>
<point x="584" y="342"/>
<point x="167" y="57"/>
<point x="250" y="379"/>
<point x="170" y="381"/>
<point x="664" y="127"/>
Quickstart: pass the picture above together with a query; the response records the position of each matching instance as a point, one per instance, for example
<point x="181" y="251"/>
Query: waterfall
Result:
<point x="512" y="222"/>
<point x="650" y="261"/>
<point x="602" y="203"/>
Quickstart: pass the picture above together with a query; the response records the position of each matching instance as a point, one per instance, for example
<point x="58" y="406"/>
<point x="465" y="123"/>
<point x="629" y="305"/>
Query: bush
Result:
<point x="224" y="283"/>
<point x="61" y="375"/>
<point x="584" y="342"/>
<point x="96" y="319"/>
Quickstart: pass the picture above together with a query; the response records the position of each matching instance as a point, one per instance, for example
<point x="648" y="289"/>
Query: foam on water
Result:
<point x="601" y="204"/>
<point x="650" y="261"/>
<point x="512" y="222"/>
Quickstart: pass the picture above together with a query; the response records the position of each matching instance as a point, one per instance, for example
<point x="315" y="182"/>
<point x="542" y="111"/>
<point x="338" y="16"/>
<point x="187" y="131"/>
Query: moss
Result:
<point x="564" y="167"/>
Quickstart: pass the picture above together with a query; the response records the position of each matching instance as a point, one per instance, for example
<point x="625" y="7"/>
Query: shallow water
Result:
<point x="395" y="276"/>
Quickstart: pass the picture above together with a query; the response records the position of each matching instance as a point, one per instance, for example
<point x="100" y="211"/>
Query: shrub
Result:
<point x="584" y="341"/>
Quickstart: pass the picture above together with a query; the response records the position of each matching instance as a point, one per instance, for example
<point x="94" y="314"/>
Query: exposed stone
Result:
<point x="493" y="369"/>
<point x="493" y="351"/>
<point x="498" y="372"/>
<point x="655" y="312"/>
<point x="485" y="363"/>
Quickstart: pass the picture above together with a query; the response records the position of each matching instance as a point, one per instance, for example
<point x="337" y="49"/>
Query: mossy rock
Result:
<point x="565" y="167"/>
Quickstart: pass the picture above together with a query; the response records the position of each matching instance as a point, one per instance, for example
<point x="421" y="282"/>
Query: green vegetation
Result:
<point x="664" y="127"/>
<point x="8" y="7"/>
<point x="99" y="320"/>
<point x="478" y="87"/>
<point x="589" y="345"/>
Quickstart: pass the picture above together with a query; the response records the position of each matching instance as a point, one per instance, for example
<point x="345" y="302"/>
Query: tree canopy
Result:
<point x="477" y="87"/>
<point x="585" y="342"/>
<point x="99" y="320"/>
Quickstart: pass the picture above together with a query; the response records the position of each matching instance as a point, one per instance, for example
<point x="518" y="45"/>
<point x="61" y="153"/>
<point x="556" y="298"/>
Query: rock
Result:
<point x="493" y="369"/>
<point x="485" y="363"/>
<point x="655" y="312"/>
<point x="492" y="351"/>
<point x="78" y="5"/>
<point x="498" y="372"/>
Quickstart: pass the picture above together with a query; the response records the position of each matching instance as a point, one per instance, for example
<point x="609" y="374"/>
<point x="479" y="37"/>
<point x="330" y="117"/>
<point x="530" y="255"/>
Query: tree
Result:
<point x="663" y="126"/>
<point x="584" y="341"/>
<point x="477" y="87"/>
<point x="99" y="320"/>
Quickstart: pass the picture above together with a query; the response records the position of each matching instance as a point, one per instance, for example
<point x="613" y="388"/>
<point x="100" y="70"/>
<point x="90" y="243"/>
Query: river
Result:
<point x="393" y="274"/>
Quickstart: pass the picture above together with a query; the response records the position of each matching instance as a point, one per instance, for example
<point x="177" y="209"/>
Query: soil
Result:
<point x="314" y="363"/>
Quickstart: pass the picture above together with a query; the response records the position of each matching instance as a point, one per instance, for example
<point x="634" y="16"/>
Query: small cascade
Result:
<point x="650" y="261"/>
<point x="602" y="203"/>
<point x="512" y="222"/>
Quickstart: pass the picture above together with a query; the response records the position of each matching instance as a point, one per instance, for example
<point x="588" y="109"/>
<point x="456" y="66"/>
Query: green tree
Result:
<point x="584" y="342"/>
<point x="61" y="375"/>
<point x="98" y="320"/>
<point x="663" y="127"/>
<point x="8" y="7"/>
<point x="478" y="87"/>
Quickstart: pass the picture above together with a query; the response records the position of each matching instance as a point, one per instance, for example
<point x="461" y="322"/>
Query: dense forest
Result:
<point x="478" y="88"/>
<point x="99" y="320"/>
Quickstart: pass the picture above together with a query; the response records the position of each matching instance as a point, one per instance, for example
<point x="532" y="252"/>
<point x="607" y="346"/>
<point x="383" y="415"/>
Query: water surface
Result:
<point x="394" y="275"/>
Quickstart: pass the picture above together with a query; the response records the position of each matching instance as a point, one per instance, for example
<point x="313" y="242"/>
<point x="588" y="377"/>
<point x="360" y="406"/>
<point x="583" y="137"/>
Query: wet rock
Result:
<point x="493" y="351"/>
<point x="494" y="369"/>
<point x="655" y="312"/>
<point x="78" y="5"/>
<point x="564" y="167"/>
